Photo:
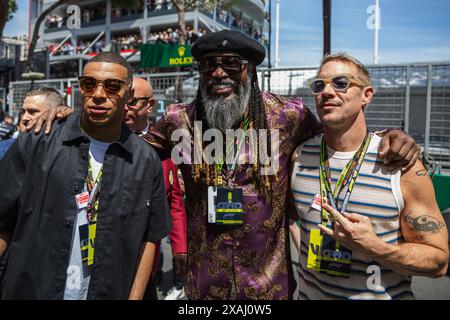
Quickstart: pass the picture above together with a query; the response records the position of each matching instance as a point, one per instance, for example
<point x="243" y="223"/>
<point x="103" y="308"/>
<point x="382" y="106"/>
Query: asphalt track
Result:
<point x="424" y="288"/>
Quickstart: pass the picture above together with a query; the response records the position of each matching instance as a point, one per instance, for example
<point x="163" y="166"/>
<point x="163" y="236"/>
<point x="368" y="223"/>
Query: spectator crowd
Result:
<point x="130" y="41"/>
<point x="172" y="36"/>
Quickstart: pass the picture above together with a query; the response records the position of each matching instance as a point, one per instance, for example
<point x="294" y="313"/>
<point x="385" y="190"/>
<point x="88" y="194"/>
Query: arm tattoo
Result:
<point x="419" y="239"/>
<point x="423" y="223"/>
<point x="421" y="173"/>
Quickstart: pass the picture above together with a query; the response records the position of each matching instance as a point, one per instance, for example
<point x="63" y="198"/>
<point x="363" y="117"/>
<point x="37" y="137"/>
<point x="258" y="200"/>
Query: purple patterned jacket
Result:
<point x="251" y="261"/>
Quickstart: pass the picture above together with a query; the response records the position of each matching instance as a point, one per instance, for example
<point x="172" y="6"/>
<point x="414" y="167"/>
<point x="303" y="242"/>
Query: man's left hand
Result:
<point x="353" y="231"/>
<point x="399" y="150"/>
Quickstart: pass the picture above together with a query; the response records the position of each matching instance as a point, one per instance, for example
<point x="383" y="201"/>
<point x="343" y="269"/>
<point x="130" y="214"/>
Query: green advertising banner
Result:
<point x="165" y="56"/>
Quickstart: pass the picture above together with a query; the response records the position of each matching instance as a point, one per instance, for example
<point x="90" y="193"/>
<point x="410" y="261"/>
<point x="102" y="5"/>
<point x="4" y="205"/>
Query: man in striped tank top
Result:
<point x="364" y="230"/>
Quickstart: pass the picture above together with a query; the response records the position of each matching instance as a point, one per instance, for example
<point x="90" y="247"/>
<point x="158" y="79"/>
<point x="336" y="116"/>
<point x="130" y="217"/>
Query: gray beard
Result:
<point x="225" y="112"/>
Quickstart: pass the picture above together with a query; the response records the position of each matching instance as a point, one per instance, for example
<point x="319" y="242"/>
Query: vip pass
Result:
<point x="226" y="205"/>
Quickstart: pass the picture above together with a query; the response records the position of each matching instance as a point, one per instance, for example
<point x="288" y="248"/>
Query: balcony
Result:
<point x="7" y="55"/>
<point x="158" y="13"/>
<point x="63" y="27"/>
<point x="139" y="15"/>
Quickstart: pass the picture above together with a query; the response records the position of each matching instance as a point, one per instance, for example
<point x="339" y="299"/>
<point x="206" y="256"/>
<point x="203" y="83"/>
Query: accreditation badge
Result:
<point x="229" y="206"/>
<point x="84" y="247"/>
<point x="316" y="202"/>
<point x="336" y="260"/>
<point x="327" y="256"/>
<point x="314" y="248"/>
<point x="82" y="200"/>
<point x="91" y="247"/>
<point x="87" y="246"/>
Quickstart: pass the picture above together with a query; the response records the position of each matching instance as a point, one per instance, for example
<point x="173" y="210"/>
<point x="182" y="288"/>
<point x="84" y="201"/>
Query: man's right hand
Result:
<point x="48" y="117"/>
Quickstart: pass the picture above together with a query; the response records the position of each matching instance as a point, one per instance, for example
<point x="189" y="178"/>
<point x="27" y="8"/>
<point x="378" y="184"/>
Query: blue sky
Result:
<point x="411" y="30"/>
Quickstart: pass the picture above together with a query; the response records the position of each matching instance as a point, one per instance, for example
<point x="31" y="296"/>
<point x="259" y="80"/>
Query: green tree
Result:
<point x="8" y="8"/>
<point x="185" y="5"/>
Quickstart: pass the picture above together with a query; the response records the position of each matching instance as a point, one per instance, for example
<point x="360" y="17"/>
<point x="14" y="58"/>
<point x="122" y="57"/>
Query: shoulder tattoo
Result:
<point x="422" y="173"/>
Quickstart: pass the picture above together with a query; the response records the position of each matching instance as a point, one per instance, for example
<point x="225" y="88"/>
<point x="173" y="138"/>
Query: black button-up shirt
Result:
<point x="40" y="176"/>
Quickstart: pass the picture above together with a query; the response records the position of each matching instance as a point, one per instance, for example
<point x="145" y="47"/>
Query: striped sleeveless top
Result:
<point x="376" y="195"/>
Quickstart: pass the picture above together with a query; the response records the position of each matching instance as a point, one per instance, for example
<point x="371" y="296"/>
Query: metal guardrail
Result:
<point x="415" y="97"/>
<point x="163" y="88"/>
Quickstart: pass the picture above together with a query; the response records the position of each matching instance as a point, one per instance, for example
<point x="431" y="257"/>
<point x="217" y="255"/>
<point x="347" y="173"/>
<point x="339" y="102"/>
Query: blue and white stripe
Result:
<point x="376" y="195"/>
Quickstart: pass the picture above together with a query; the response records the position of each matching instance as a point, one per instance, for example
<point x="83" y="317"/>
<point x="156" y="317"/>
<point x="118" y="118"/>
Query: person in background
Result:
<point x="6" y="129"/>
<point x="138" y="111"/>
<point x="178" y="236"/>
<point x="5" y="144"/>
<point x="140" y="107"/>
<point x="36" y="102"/>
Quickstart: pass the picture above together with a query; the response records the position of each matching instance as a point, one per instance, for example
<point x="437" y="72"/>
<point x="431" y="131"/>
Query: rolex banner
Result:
<point x="165" y="56"/>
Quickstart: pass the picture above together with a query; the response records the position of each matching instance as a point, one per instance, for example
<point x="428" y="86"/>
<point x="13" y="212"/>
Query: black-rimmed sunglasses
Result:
<point x="230" y="64"/>
<point x="133" y="101"/>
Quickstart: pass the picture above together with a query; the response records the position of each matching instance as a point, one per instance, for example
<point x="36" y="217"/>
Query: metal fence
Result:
<point x="415" y="97"/>
<point x="386" y="110"/>
<point x="163" y="88"/>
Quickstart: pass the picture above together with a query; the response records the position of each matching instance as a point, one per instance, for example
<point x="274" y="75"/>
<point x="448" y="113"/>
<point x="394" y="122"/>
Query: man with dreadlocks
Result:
<point x="245" y="253"/>
<point x="244" y="257"/>
<point x="248" y="258"/>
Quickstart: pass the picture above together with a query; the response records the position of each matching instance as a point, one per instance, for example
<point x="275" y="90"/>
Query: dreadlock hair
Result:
<point x="257" y="120"/>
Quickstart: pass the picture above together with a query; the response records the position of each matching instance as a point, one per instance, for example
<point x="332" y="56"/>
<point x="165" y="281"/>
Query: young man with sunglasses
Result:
<point x="365" y="230"/>
<point x="83" y="214"/>
<point x="247" y="256"/>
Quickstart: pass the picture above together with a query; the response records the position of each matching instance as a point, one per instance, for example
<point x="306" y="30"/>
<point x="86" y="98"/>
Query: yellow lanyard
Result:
<point x="219" y="166"/>
<point x="348" y="177"/>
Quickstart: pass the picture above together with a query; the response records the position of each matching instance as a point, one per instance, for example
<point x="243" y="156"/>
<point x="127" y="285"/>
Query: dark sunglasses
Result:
<point x="111" y="86"/>
<point x="340" y="83"/>
<point x="132" y="104"/>
<point x="230" y="64"/>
